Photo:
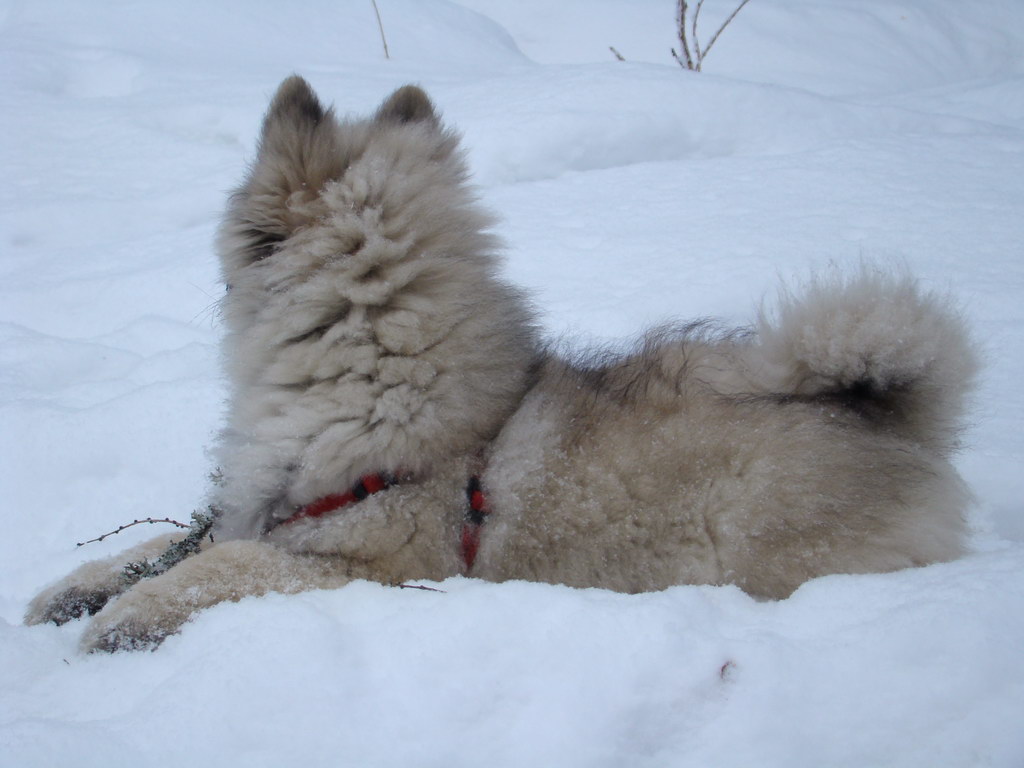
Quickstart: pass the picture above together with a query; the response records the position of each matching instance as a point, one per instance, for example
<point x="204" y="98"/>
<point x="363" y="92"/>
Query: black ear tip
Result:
<point x="296" y="97"/>
<point x="409" y="104"/>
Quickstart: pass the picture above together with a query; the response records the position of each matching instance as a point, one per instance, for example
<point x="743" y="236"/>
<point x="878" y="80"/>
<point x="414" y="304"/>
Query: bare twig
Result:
<point x="725" y="23"/>
<point x="618" y="55"/>
<point x="420" y="586"/>
<point x="681" y="33"/>
<point x="380" y="25"/>
<point x="695" y="60"/>
<point x="148" y="520"/>
<point x="693" y="27"/>
<point x="201" y="527"/>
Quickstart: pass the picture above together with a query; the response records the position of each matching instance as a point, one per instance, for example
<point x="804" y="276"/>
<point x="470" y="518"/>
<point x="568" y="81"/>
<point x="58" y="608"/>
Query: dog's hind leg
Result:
<point x="157" y="607"/>
<point x="89" y="587"/>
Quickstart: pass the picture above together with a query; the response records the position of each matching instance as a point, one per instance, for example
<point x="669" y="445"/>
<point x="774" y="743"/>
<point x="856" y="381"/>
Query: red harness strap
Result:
<point x="367" y="485"/>
<point x="370" y="484"/>
<point x="475" y="516"/>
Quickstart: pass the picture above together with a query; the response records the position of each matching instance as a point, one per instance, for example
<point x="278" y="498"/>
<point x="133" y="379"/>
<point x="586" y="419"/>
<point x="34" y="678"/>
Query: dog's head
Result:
<point x="304" y="147"/>
<point x="336" y="214"/>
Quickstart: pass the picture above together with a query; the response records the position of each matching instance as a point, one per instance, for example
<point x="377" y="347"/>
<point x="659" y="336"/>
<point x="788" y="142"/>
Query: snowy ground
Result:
<point x="821" y="132"/>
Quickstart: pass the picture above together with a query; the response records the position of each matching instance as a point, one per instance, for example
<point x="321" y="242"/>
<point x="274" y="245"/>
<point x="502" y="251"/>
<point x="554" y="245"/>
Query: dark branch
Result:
<point x="147" y="520"/>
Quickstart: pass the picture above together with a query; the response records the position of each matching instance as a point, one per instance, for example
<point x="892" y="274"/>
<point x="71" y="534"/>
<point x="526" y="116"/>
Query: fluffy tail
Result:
<point x="876" y="343"/>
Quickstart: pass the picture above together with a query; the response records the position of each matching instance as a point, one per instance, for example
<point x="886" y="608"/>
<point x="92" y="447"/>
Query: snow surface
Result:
<point x="820" y="132"/>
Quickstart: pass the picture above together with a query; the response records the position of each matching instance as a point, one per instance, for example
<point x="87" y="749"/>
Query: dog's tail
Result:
<point x="876" y="343"/>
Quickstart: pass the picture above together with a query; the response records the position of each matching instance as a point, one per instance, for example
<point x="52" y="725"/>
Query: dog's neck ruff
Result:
<point x="368" y="485"/>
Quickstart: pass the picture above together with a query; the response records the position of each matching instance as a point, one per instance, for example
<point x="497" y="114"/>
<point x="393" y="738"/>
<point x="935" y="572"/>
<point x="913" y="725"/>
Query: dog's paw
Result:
<point x="88" y="588"/>
<point x="129" y="631"/>
<point x="140" y="619"/>
<point x="125" y="636"/>
<point x="61" y="604"/>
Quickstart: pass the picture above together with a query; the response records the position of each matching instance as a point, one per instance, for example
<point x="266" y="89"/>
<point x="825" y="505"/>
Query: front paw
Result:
<point x="126" y="636"/>
<point x="62" y="604"/>
<point x="140" y="619"/>
<point x="88" y="588"/>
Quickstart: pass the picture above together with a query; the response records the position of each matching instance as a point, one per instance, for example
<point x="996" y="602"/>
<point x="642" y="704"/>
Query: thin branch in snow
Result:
<point x="681" y="34"/>
<point x="147" y="520"/>
<point x="695" y="59"/>
<point x="420" y="586"/>
<point x="201" y="527"/>
<point x="725" y="23"/>
<point x="380" y="25"/>
<point x="693" y="28"/>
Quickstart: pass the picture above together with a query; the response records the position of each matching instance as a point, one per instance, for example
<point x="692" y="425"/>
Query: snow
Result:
<point x="821" y="132"/>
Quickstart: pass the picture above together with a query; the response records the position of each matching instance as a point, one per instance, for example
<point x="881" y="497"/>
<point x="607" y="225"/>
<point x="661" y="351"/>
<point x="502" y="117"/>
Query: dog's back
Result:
<point x="819" y="444"/>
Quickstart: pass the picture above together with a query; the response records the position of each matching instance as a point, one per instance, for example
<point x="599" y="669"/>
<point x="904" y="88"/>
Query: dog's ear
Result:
<point x="409" y="104"/>
<point x="300" y="150"/>
<point x="299" y="142"/>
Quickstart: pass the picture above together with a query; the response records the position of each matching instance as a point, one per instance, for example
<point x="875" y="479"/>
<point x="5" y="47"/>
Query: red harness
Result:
<point x="367" y="485"/>
<point x="375" y="483"/>
<point x="475" y="516"/>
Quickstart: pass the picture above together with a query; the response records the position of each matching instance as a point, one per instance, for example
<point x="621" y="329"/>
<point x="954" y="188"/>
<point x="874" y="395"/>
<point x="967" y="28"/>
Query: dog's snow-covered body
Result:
<point x="368" y="332"/>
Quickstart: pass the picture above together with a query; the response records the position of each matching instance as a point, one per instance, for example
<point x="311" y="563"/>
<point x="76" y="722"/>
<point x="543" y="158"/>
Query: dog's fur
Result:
<point x="368" y="330"/>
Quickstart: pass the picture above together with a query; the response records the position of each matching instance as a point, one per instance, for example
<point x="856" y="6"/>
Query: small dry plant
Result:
<point x="380" y="26"/>
<point x="693" y="55"/>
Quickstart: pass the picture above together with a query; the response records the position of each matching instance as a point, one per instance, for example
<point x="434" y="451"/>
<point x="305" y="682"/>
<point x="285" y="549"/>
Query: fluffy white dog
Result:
<point x="394" y="417"/>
